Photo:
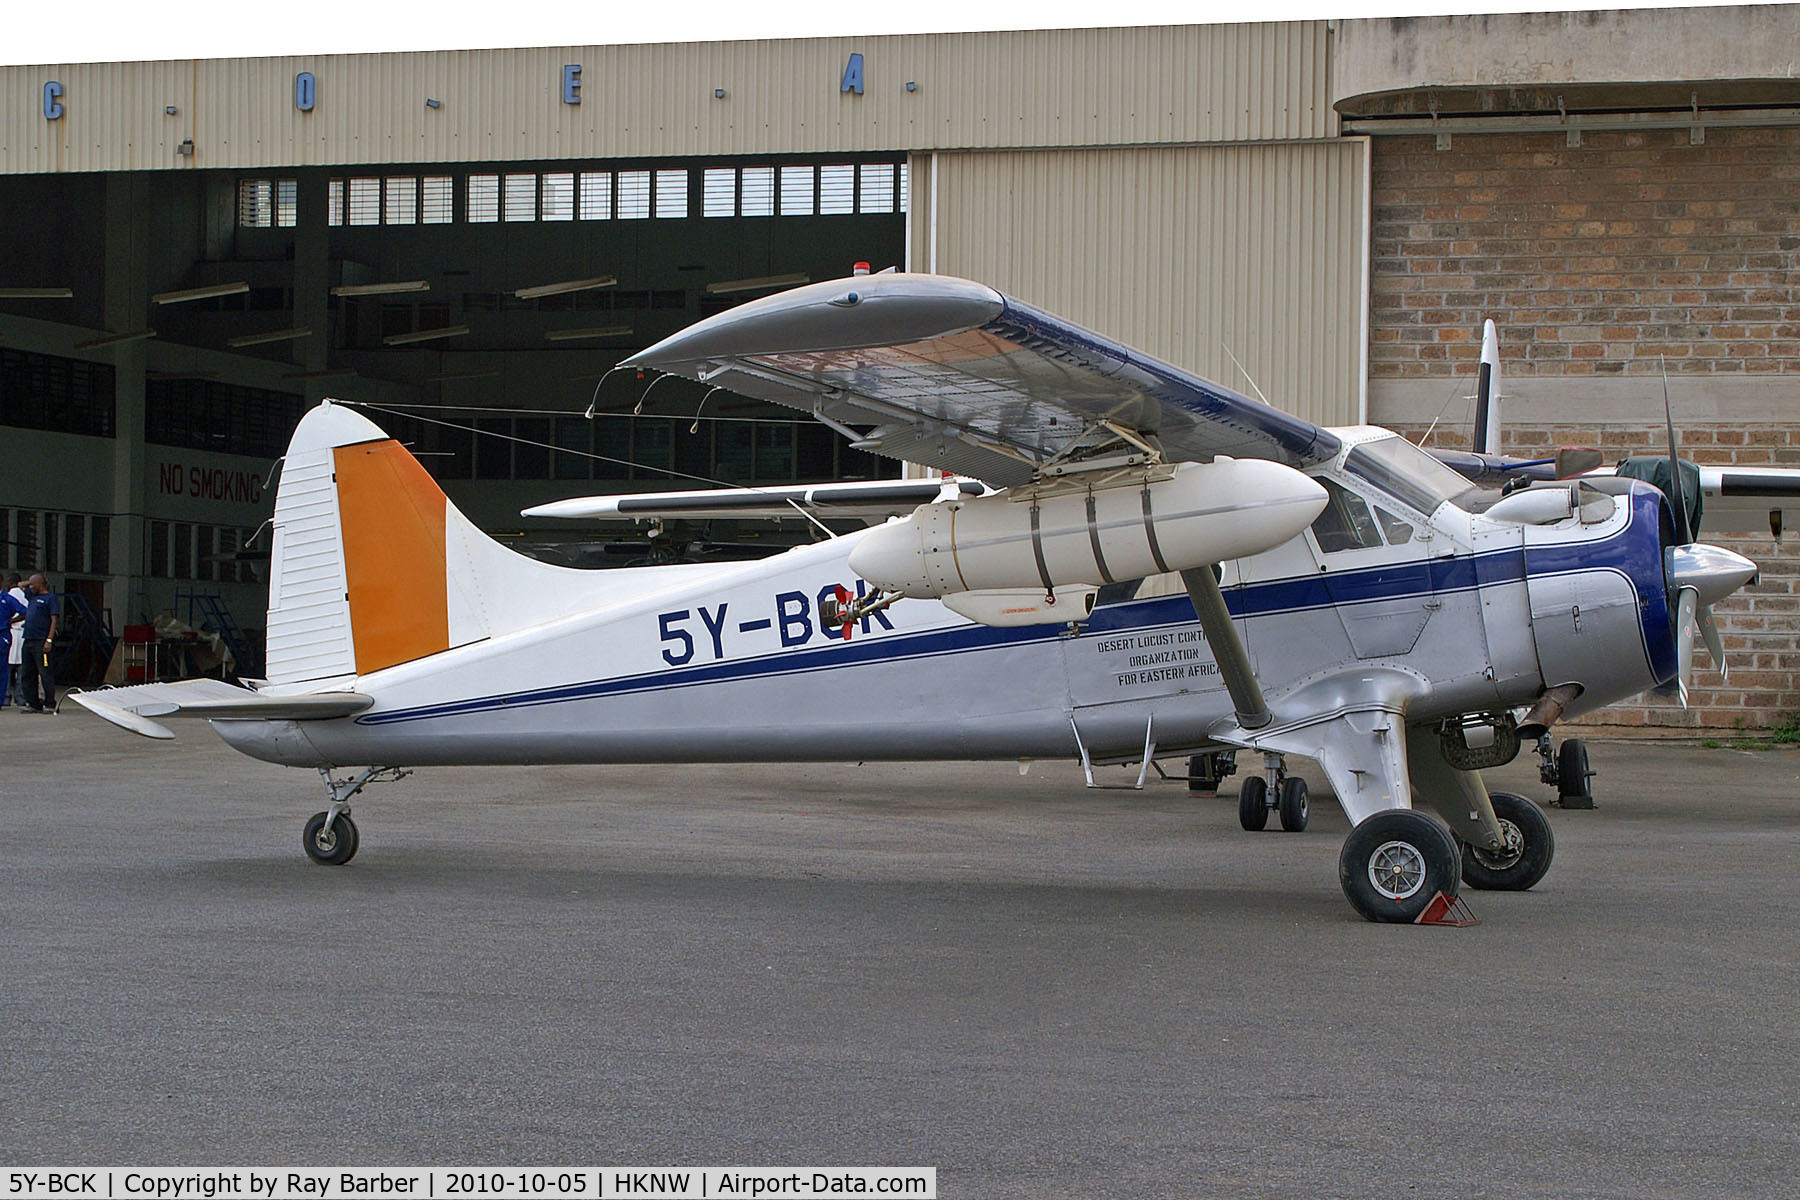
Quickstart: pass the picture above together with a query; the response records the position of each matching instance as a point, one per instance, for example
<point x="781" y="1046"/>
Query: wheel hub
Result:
<point x="1397" y="870"/>
<point x="1501" y="860"/>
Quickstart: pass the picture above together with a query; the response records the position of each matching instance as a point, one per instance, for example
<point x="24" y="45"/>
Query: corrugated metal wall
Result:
<point x="1181" y="84"/>
<point x="1191" y="254"/>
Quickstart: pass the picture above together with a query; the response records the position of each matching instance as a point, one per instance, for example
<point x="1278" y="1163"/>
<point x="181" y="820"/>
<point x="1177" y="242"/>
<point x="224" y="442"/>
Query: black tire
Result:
<point x="1395" y="863"/>
<point x="1203" y="775"/>
<point x="1291" y="803"/>
<point x="1572" y="775"/>
<point x="1519" y="870"/>
<point x="1253" y="803"/>
<point x="335" y="848"/>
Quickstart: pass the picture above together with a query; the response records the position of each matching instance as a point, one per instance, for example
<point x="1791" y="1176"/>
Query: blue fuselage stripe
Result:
<point x="1639" y="559"/>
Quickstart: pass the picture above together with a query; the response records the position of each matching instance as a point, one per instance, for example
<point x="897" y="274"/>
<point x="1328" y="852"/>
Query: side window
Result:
<point x="1346" y="523"/>
<point x="1398" y="532"/>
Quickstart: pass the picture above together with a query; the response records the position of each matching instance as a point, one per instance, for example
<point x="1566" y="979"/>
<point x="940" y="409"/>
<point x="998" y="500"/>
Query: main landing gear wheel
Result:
<point x="333" y="847"/>
<point x="1395" y="863"/>
<point x="1291" y="803"/>
<point x="1572" y="775"/>
<point x="1253" y="803"/>
<point x="1529" y="848"/>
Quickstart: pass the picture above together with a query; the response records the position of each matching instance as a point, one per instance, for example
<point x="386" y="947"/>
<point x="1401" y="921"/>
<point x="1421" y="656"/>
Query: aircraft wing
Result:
<point x="960" y="377"/>
<point x="869" y="500"/>
<point x="213" y="699"/>
<point x="1750" y="498"/>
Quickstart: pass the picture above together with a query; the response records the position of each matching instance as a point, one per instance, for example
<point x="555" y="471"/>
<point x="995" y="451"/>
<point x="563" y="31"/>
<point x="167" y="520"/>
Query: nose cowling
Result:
<point x="1713" y="572"/>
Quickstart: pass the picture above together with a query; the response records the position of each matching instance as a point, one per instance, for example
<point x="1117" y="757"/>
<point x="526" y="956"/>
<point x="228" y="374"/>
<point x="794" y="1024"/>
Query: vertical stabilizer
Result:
<point x="360" y="575"/>
<point x="373" y="566"/>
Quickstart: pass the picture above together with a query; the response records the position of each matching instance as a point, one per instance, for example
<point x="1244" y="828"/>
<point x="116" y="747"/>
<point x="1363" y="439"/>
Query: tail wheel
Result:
<point x="1291" y="803"/>
<point x="1529" y="848"/>
<point x="1253" y="803"/>
<point x="1395" y="863"/>
<point x="333" y="847"/>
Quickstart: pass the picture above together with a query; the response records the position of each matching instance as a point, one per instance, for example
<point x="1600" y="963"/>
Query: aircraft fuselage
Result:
<point x="733" y="663"/>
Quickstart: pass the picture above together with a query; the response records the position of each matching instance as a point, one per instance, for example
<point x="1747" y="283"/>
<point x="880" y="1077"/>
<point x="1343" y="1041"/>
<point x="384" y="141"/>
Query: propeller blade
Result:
<point x="844" y="598"/>
<point x="1687" y="602"/>
<point x="1487" y="393"/>
<point x="1683" y="535"/>
<point x="1715" y="645"/>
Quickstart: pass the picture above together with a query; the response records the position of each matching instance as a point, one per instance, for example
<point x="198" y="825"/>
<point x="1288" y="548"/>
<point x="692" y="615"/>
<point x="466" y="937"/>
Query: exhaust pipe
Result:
<point x="1548" y="711"/>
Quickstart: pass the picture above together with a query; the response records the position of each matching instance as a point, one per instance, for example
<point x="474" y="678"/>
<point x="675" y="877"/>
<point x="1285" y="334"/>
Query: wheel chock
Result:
<point x="1444" y="911"/>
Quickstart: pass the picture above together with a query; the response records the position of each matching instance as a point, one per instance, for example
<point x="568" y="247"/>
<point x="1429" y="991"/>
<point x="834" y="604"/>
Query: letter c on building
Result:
<point x="53" y="108"/>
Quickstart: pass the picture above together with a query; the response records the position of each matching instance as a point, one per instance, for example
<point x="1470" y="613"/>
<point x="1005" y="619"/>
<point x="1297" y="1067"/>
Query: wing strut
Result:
<point x="1227" y="649"/>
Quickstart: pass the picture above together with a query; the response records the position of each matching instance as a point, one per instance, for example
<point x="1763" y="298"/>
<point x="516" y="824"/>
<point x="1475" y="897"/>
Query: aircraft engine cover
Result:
<point x="1050" y="535"/>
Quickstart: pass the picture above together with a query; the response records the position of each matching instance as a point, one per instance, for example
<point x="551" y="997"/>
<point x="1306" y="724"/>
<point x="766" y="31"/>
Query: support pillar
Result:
<point x="126" y="309"/>
<point x="312" y="276"/>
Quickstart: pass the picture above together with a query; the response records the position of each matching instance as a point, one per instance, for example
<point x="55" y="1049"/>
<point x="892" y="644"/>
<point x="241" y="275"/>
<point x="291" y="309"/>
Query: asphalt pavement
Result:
<point x="1038" y="989"/>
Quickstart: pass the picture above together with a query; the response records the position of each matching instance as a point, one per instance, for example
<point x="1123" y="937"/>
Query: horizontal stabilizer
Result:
<point x="212" y="699"/>
<point x="869" y="499"/>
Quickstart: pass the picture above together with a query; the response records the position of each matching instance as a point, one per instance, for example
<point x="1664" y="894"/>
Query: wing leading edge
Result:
<point x="958" y="376"/>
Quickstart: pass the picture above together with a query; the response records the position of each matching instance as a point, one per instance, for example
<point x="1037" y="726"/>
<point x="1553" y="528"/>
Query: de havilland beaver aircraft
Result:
<point x="1153" y="565"/>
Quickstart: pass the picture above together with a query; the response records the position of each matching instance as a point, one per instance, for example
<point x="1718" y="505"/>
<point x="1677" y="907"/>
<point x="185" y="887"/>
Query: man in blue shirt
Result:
<point x="10" y="610"/>
<point x="42" y="607"/>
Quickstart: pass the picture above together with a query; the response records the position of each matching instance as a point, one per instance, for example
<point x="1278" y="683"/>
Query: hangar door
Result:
<point x="1191" y="253"/>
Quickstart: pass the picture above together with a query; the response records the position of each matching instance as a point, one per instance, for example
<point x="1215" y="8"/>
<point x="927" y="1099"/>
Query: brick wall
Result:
<point x="1595" y="261"/>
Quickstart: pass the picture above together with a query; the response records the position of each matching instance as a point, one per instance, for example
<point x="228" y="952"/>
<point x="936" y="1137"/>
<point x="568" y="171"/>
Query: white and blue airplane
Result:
<point x="1152" y="565"/>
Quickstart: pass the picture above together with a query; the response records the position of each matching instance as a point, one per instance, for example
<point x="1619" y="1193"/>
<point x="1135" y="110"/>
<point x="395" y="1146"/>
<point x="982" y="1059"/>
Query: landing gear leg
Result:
<point x="331" y="837"/>
<point x="1397" y="864"/>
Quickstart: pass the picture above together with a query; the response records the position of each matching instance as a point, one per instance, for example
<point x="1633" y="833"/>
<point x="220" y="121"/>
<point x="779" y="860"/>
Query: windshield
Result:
<point x="1407" y="473"/>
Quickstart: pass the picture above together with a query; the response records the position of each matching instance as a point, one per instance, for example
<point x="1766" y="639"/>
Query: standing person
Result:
<point x="41" y="611"/>
<point x="12" y="611"/>
<point x="16" y="589"/>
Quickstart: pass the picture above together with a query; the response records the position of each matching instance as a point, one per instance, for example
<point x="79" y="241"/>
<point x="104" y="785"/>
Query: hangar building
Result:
<point x="193" y="251"/>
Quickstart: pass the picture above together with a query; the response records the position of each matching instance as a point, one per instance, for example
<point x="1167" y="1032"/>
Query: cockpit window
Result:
<point x="1407" y="473"/>
<point x="1345" y="523"/>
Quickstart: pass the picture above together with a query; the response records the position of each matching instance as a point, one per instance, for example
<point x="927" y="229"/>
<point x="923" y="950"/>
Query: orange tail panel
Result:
<point x="393" y="518"/>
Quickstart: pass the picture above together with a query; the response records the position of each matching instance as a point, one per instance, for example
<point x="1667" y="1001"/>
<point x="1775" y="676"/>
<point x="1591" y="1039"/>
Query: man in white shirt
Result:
<point x="15" y="655"/>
